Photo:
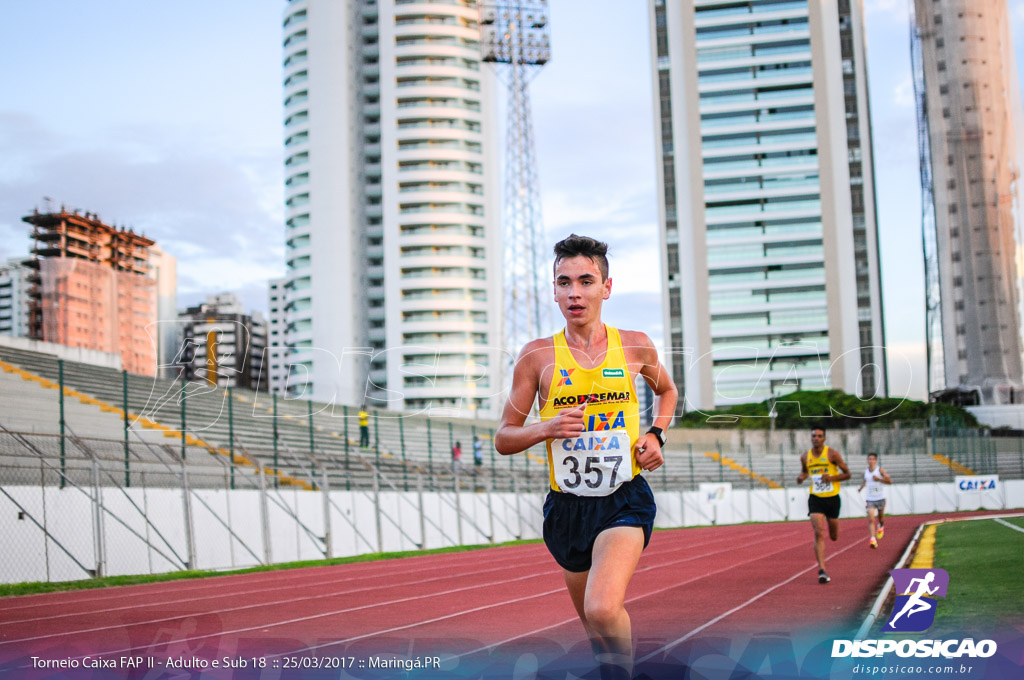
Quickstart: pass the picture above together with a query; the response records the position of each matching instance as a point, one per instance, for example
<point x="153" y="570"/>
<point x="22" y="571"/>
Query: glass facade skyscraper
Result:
<point x="770" y="253"/>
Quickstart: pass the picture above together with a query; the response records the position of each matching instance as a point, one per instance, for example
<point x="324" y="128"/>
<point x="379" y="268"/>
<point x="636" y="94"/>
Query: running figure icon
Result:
<point x="916" y="603"/>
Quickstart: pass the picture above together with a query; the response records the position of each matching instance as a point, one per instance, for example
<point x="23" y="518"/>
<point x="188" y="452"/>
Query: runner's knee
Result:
<point x="602" y="614"/>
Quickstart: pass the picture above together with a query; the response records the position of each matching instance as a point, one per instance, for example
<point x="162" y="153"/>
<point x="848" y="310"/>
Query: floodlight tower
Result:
<point x="516" y="34"/>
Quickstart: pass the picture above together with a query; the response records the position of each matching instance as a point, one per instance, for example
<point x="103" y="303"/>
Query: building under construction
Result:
<point x="90" y="287"/>
<point x="967" y="105"/>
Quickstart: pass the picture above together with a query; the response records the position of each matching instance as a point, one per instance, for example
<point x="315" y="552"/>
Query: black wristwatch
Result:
<point x="657" y="432"/>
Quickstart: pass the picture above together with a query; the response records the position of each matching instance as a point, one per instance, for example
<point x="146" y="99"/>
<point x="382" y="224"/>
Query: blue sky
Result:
<point x="167" y="117"/>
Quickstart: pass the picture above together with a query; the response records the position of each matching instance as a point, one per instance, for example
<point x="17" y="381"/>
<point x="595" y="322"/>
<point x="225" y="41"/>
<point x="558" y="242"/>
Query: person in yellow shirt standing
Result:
<point x="826" y="468"/>
<point x="599" y="514"/>
<point x="364" y="428"/>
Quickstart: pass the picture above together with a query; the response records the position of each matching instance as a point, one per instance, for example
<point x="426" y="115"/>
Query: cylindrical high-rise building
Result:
<point x="392" y="194"/>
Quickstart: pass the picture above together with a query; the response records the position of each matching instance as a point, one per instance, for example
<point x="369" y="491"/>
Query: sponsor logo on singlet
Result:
<point x="593" y="398"/>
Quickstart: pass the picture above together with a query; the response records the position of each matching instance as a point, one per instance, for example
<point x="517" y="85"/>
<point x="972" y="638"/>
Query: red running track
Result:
<point x="711" y="582"/>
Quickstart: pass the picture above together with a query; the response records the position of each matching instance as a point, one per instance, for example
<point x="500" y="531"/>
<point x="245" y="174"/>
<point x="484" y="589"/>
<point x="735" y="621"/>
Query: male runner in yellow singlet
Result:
<point x="599" y="514"/>
<point x="823" y="464"/>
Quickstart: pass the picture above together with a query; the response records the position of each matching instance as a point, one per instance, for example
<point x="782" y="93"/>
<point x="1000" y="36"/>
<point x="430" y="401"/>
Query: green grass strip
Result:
<point x="32" y="588"/>
<point x="983" y="558"/>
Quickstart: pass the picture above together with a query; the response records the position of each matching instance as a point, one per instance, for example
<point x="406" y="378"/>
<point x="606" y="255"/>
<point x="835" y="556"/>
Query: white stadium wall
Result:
<point x="228" y="531"/>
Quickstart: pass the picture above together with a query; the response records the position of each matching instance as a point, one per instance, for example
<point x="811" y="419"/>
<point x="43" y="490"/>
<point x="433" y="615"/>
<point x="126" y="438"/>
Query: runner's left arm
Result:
<point x="836" y="459"/>
<point x="648" y="448"/>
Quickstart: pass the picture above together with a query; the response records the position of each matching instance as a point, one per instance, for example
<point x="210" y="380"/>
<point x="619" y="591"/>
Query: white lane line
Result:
<point x="500" y="604"/>
<point x="423" y="623"/>
<point x="150" y="604"/>
<point x="513" y="601"/>
<point x="298" y="580"/>
<point x="264" y="626"/>
<point x="326" y="614"/>
<point x="291" y="600"/>
<point x="233" y="594"/>
<point x="306" y="583"/>
<point x="276" y="578"/>
<point x="300" y="619"/>
<point x="640" y="597"/>
<point x="739" y="607"/>
<point x="1012" y="526"/>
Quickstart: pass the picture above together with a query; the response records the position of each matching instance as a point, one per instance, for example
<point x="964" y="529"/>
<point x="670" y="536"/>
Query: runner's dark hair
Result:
<point x="573" y="246"/>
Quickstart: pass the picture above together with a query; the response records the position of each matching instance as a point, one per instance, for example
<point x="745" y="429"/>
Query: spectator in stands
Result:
<point x="478" y="454"/>
<point x="456" y="456"/>
<point x="364" y="427"/>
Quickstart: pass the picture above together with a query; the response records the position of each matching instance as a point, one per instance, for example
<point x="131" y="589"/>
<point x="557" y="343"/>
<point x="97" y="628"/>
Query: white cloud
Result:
<point x="218" y="211"/>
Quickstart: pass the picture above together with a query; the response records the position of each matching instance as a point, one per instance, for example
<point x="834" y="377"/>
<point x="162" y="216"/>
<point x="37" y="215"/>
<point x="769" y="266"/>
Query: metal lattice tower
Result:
<point x="515" y="35"/>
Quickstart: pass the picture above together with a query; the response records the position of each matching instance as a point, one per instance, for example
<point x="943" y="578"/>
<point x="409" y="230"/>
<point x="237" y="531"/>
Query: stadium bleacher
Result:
<point x="234" y="430"/>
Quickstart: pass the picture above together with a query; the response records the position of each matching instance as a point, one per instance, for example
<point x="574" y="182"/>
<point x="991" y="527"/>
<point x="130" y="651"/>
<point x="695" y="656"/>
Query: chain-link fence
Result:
<point x="108" y="472"/>
<point x="79" y="510"/>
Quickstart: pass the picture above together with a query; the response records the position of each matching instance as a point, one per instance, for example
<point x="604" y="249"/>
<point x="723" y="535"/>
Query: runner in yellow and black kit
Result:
<point x="600" y="511"/>
<point x="826" y="468"/>
<point x="598" y="462"/>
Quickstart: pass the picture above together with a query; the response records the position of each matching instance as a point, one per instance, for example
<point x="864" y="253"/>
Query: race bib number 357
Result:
<point x="593" y="464"/>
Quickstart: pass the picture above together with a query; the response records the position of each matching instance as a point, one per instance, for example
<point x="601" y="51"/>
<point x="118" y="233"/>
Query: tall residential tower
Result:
<point x="968" y="107"/>
<point x="393" y="292"/>
<point x="768" y="232"/>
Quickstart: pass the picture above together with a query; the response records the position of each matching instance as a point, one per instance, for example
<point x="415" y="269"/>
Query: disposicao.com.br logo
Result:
<point x="913" y="611"/>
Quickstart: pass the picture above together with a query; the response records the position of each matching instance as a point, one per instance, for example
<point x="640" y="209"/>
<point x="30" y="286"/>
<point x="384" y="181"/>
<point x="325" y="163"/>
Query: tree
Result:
<point x="831" y="409"/>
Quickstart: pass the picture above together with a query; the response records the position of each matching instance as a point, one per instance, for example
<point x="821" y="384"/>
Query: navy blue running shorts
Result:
<point x="572" y="523"/>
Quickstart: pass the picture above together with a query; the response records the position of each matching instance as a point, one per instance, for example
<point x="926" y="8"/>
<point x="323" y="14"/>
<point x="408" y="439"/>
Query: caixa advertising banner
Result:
<point x="976" y="483"/>
<point x="978" y="491"/>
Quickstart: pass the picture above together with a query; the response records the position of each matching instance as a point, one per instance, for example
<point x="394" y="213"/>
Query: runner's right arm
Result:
<point x="513" y="435"/>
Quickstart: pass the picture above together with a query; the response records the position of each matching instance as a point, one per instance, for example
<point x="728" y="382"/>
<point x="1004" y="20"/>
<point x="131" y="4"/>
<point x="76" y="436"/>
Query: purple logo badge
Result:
<point x="916" y="593"/>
